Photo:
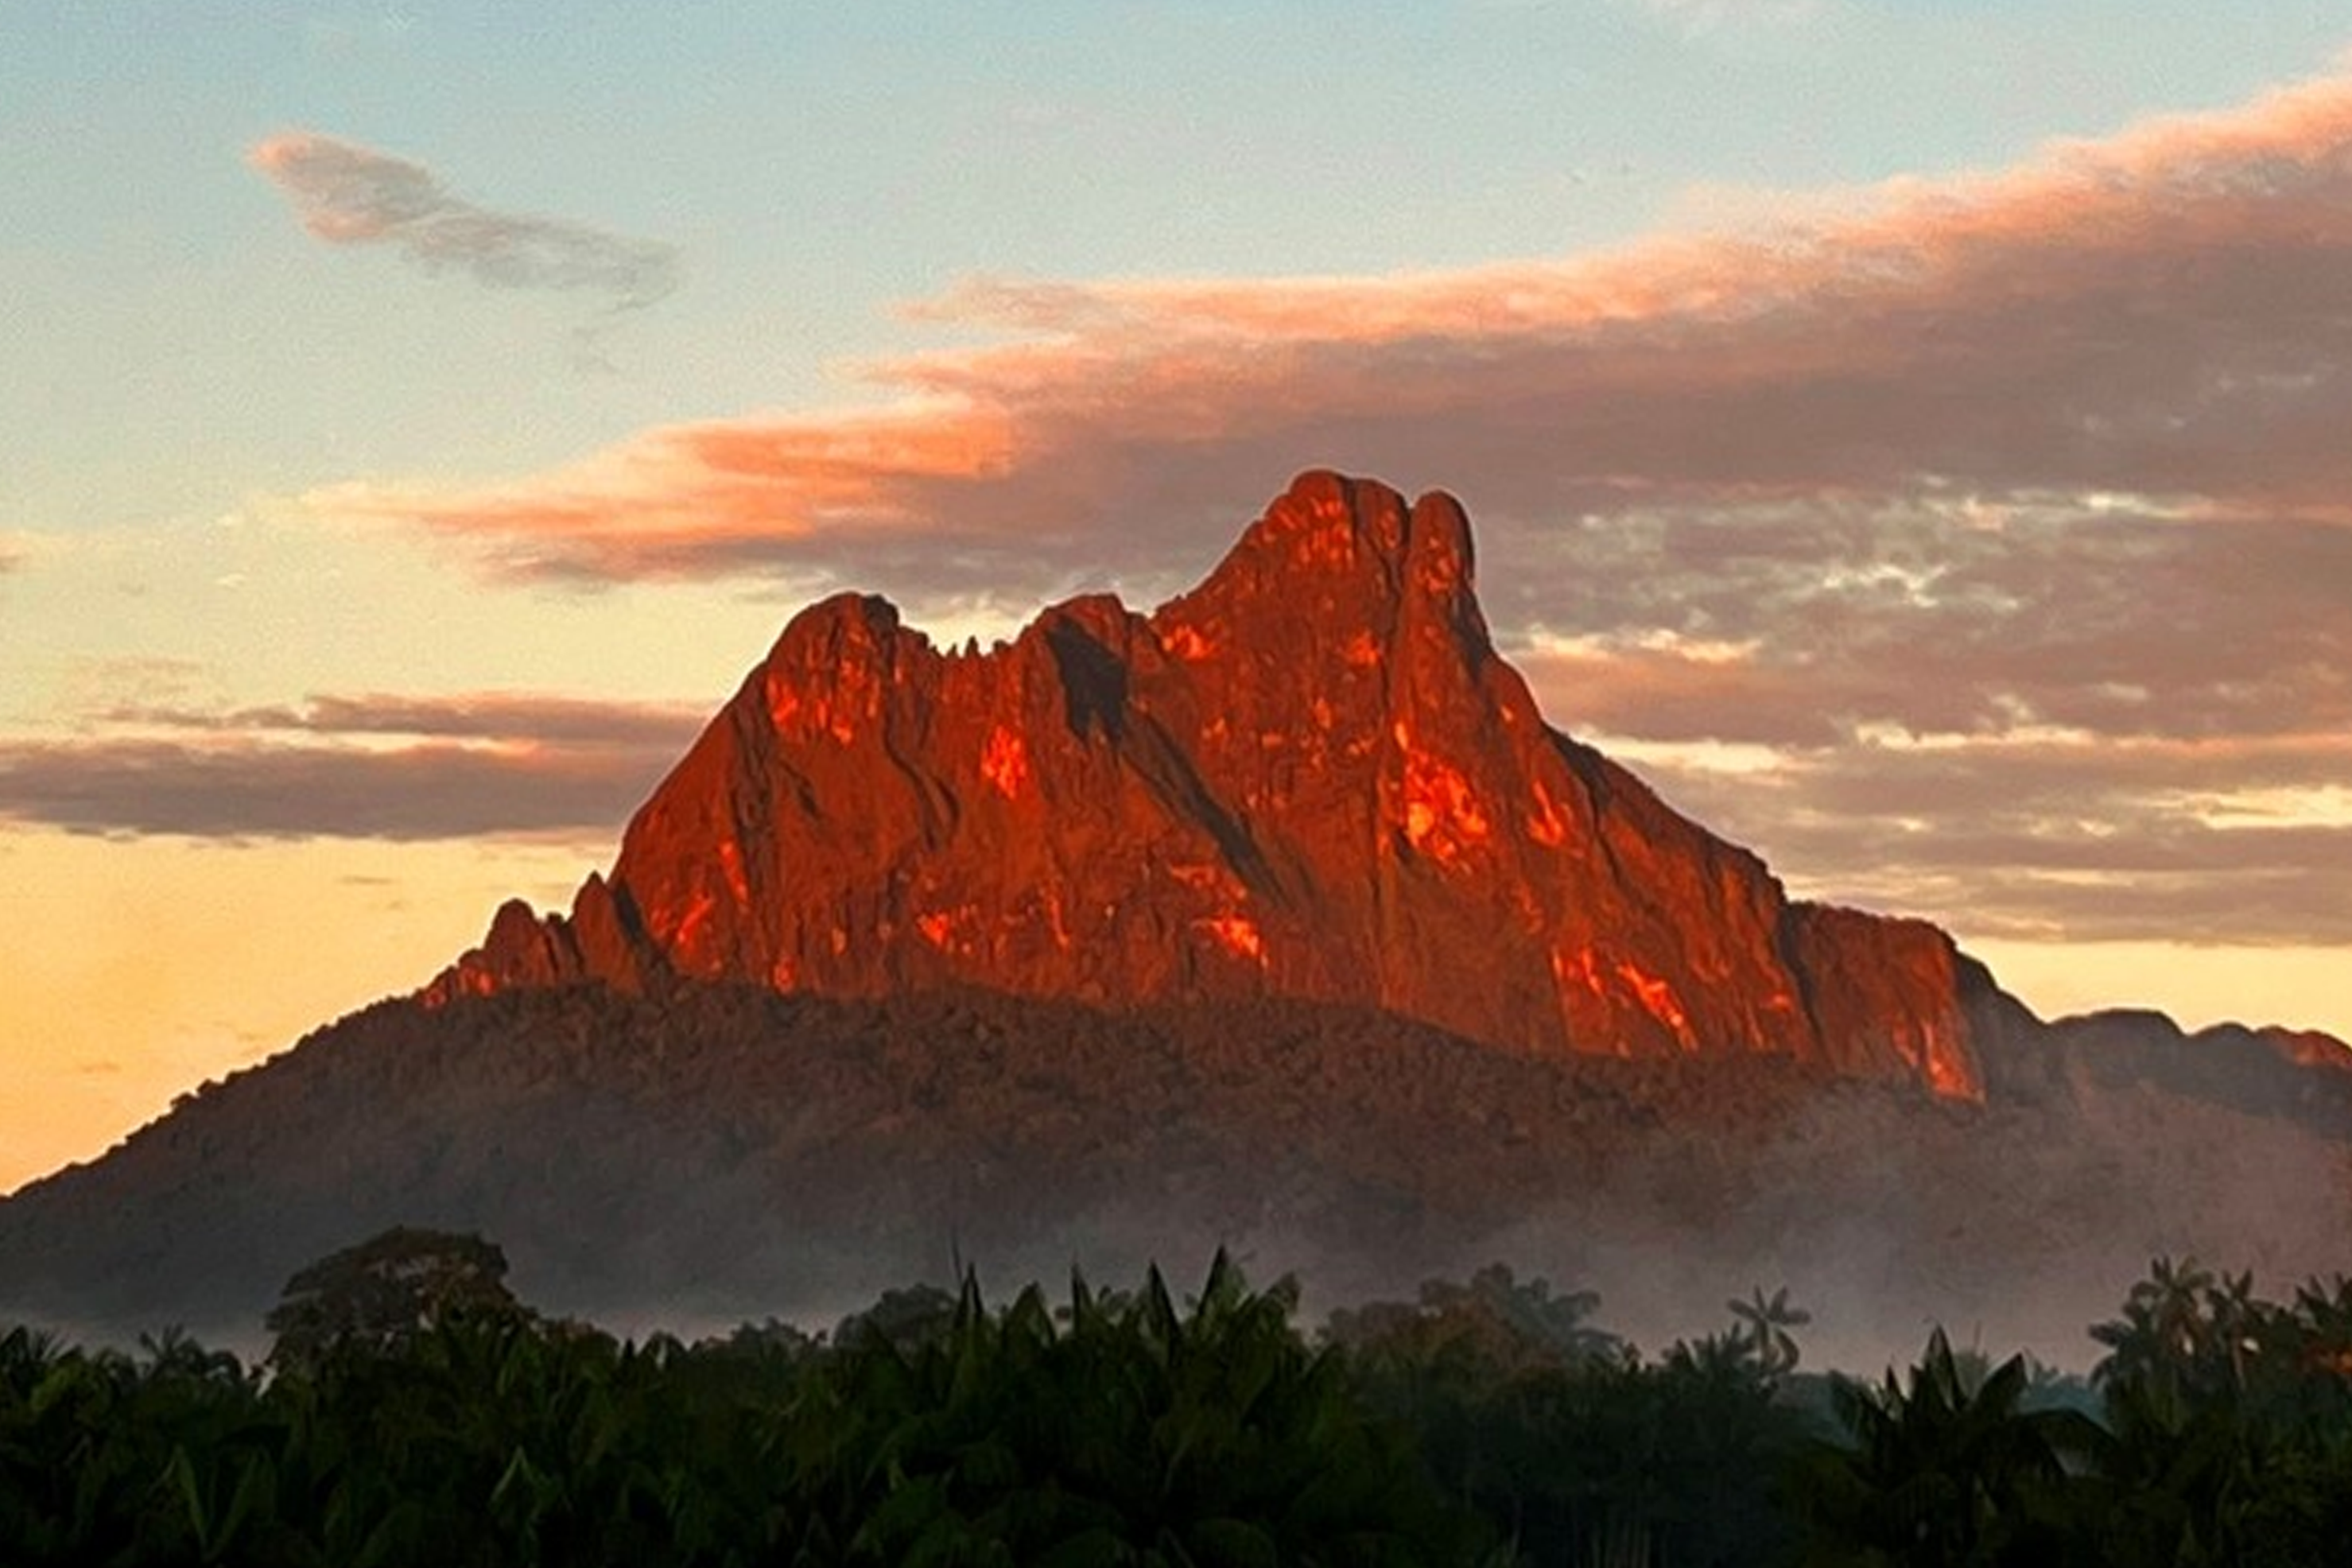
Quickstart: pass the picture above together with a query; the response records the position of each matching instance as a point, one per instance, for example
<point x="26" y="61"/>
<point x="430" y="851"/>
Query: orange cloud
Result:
<point x="697" y="498"/>
<point x="2164" y="312"/>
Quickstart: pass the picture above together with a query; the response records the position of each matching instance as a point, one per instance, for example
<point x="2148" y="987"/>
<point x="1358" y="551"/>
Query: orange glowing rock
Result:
<point x="783" y="704"/>
<point x="1442" y="815"/>
<point x="1005" y="762"/>
<point x="730" y="865"/>
<point x="1947" y="1073"/>
<point x="1582" y="969"/>
<point x="1237" y="934"/>
<point x="1321" y="733"/>
<point x="1545" y="826"/>
<point x="1189" y="644"/>
<point x="688" y="926"/>
<point x="1657" y="999"/>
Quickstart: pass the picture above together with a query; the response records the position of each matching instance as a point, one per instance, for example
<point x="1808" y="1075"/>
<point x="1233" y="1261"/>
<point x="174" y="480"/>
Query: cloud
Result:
<point x="2119" y="727"/>
<point x="2074" y="836"/>
<point x="517" y="718"/>
<point x="493" y="764"/>
<point x="1972" y="511"/>
<point x="2161" y="315"/>
<point x="350" y="194"/>
<point x="1837" y="621"/>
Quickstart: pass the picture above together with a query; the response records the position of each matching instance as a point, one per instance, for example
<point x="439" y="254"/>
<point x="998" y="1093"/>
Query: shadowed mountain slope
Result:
<point x="710" y="1153"/>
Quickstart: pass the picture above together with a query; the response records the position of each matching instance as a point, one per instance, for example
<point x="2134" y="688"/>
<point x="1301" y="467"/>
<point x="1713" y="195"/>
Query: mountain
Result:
<point x="1310" y="778"/>
<point x="712" y="1153"/>
<point x="1277" y="918"/>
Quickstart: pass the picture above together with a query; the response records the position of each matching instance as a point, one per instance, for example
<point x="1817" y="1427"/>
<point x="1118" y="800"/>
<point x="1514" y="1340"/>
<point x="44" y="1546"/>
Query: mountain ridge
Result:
<point x="1275" y="918"/>
<point x="1310" y="775"/>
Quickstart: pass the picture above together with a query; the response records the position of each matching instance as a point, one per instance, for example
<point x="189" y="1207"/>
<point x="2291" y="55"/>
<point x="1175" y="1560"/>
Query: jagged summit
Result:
<point x="1345" y="554"/>
<point x="1309" y="776"/>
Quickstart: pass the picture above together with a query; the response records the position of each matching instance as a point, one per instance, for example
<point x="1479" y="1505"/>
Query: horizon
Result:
<point x="1911" y="442"/>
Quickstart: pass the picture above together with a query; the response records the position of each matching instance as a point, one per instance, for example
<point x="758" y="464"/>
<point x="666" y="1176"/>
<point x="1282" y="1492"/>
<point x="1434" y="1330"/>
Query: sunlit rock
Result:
<point x="1310" y="776"/>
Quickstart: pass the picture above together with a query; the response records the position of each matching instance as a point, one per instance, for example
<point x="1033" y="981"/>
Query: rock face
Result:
<point x="1309" y="777"/>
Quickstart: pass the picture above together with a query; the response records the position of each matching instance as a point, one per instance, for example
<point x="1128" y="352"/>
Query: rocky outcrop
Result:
<point x="1311" y="777"/>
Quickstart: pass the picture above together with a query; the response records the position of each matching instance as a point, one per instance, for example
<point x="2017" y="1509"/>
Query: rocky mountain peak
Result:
<point x="1349" y="558"/>
<point x="1310" y="776"/>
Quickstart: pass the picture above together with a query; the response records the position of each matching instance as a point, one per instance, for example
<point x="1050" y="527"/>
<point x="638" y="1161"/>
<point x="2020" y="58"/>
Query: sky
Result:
<point x="1911" y="433"/>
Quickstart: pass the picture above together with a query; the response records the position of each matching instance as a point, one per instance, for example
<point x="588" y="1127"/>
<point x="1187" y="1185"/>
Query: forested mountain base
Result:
<point x="716" y="1153"/>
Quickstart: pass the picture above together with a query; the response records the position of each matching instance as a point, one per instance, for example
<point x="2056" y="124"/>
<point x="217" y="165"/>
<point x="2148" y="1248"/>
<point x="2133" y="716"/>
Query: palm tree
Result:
<point x="27" y="1355"/>
<point x="1763" y="1328"/>
<point x="1948" y="1469"/>
<point x="2165" y="1332"/>
<point x="2323" y="1325"/>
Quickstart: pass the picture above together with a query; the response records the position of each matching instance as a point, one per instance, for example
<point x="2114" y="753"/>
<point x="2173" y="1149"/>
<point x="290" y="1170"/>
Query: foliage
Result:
<point x="1560" y="1435"/>
<point x="1763" y="1328"/>
<point x="1495" y="1322"/>
<point x="1131" y="1429"/>
<point x="1487" y="1421"/>
<point x="2225" y="1437"/>
<point x="1945" y="1468"/>
<point x="386" y="1292"/>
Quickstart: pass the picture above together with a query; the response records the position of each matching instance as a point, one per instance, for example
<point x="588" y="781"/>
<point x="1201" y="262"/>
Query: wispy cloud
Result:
<point x="347" y="193"/>
<point x="2078" y="835"/>
<point x="515" y="718"/>
<point x="488" y="765"/>
<point x="1883" y="490"/>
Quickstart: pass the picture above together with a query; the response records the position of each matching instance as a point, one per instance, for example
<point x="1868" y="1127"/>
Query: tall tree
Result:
<point x="386" y="1292"/>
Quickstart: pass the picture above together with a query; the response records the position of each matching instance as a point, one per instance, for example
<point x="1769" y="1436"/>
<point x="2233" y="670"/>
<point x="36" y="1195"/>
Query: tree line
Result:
<point x="411" y="1411"/>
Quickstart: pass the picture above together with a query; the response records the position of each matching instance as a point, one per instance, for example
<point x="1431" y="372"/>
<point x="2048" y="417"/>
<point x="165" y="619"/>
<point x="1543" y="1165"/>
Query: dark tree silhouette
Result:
<point x="387" y="1289"/>
<point x="1763" y="1326"/>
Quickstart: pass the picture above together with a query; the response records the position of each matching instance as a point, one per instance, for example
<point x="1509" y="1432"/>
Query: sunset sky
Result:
<point x="1915" y="434"/>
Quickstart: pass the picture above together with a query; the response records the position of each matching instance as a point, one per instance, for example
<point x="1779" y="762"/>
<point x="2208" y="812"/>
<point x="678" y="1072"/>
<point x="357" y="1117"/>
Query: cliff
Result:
<point x="1312" y="777"/>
